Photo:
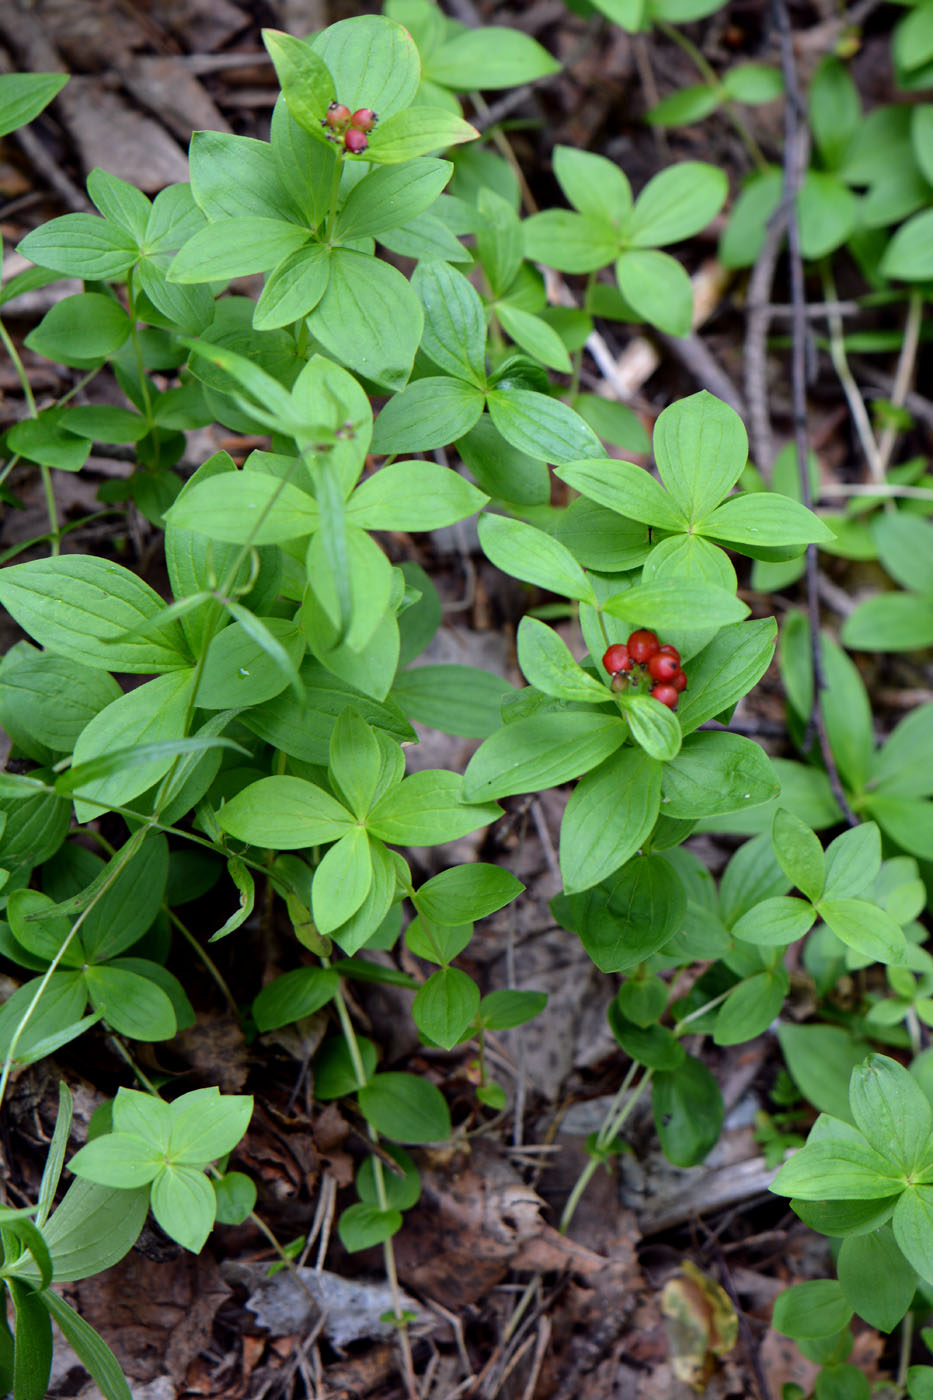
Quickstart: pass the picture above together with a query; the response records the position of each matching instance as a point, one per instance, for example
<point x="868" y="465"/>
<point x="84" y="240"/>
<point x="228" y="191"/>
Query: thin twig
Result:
<point x="837" y="352"/>
<point x="794" y="155"/>
<point x="903" y="374"/>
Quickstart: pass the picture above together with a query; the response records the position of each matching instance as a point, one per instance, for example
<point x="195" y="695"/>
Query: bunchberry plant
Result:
<point x="260" y="747"/>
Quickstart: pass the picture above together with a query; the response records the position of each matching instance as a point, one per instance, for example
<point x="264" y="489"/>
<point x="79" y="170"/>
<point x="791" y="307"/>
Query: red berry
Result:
<point x="338" y="116"/>
<point x="617" y="659"/>
<point x="668" y="650"/>
<point x="679" y="681"/>
<point x="364" y="119"/>
<point x="355" y="142"/>
<point x="642" y="645"/>
<point x="663" y="667"/>
<point x="667" y="695"/>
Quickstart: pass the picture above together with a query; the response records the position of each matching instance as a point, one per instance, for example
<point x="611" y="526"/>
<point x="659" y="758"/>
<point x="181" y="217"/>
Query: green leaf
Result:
<point x="307" y="85"/>
<point x="891" y="1111"/>
<point x="389" y="197"/>
<point x="184" y="1204"/>
<point x="652" y="1046"/>
<point x="92" y="1229"/>
<point x="405" y="1108"/>
<point x="685" y="106"/>
<point x="543" y="427"/>
<point x="821" y="1060"/>
<point x="508" y="1007"/>
<point x="466" y="893"/>
<point x="154" y="713"/>
<point x="904" y="546"/>
<point x="909" y="255"/>
<point x="817" y="1308"/>
<point x="900" y="768"/>
<point x="828" y="212"/>
<point x="865" y="928"/>
<point x="342" y="880"/>
<point x="593" y="184"/>
<point x="745" y="233"/>
<point x="117" y="1159"/>
<point x="621" y="486"/>
<point x="890" y="622"/>
<point x="90" y="1348"/>
<point x="294" y="995"/>
<point x="499" y="243"/>
<point x="921" y="131"/>
<point x="79" y="606"/>
<point x="369" y="318"/>
<point x="437" y="943"/>
<point x="413" y="496"/>
<point x="81" y="245"/>
<point x="750" y="1007"/>
<point x="656" y="286"/>
<point x="32" y="1356"/>
<point x="46" y="440"/>
<point x="24" y="95"/>
<point x="373" y="62"/>
<point x="835" y="110"/>
<point x="429" y="413"/>
<point x="688" y="1112"/>
<point x="361" y="1226"/>
<point x="455" y="326"/>
<point x="725" y="670"/>
<point x="853" y="861"/>
<point x="844" y="1169"/>
<point x="765" y="518"/>
<point x="548" y="665"/>
<point x="207" y="1124"/>
<point x="247" y="507"/>
<point x="668" y="603"/>
<point x="570" y="242"/>
<point x="535" y="337"/>
<point x="493" y="57"/>
<point x="417" y="132"/>
<point x="776" y="922"/>
<point x="611" y="812"/>
<point x="541" y="751"/>
<point x="715" y="773"/>
<point x="235" y="1197"/>
<point x="455" y="699"/>
<point x="236" y="248"/>
<point x="654" y="727"/>
<point x="876" y="1278"/>
<point x="799" y="854"/>
<point x="676" y="204"/>
<point x="81" y="330"/>
<point x="701" y="448"/>
<point x="912" y="1223"/>
<point x="445" y="1006"/>
<point x="426" y="809"/>
<point x="131" y="1004"/>
<point x="250" y="662"/>
<point x="284" y="813"/>
<point x="629" y="916"/>
<point x="529" y="554"/>
<point x="294" y="287"/>
<point x="753" y="83"/>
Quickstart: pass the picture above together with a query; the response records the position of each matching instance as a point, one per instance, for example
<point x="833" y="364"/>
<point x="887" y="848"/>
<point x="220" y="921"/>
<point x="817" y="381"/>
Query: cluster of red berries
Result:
<point x="349" y="126"/>
<point x="644" y="655"/>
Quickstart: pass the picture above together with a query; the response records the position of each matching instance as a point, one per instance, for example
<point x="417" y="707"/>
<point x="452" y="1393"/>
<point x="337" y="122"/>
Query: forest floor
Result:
<point x="505" y="1305"/>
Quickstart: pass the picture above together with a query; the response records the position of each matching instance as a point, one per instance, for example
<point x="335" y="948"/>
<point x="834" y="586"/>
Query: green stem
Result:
<point x="129" y="851"/>
<point x="20" y="370"/>
<point x="206" y="959"/>
<point x="44" y="471"/>
<point x="710" y="76"/>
